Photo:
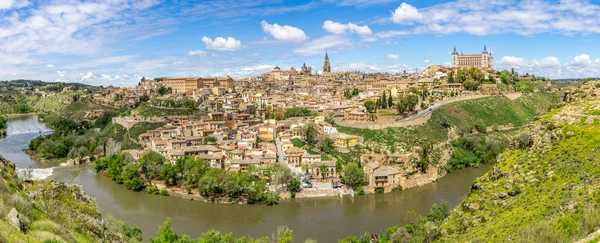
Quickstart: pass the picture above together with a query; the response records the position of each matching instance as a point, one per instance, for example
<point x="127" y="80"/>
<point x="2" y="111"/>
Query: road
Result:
<point x="409" y="120"/>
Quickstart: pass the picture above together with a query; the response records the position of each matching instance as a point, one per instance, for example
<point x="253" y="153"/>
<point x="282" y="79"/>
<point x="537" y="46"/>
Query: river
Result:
<point x="322" y="219"/>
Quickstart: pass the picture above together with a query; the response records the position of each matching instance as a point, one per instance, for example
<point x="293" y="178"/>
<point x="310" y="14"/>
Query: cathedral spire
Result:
<point x="326" y="64"/>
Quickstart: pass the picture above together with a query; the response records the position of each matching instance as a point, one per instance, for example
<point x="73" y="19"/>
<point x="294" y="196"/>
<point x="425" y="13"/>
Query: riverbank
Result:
<point x="308" y="217"/>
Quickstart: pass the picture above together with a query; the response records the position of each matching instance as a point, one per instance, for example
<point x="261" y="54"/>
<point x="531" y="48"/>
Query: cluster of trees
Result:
<point x="282" y="113"/>
<point x="163" y="90"/>
<point x="75" y="139"/>
<point x="2" y="125"/>
<point x="407" y="103"/>
<point x="470" y="78"/>
<point x="417" y="228"/>
<point x="192" y="174"/>
<point x="183" y="102"/>
<point x="354" y="176"/>
<point x="474" y="150"/>
<point x="348" y="94"/>
<point x="167" y="235"/>
<point x="385" y="101"/>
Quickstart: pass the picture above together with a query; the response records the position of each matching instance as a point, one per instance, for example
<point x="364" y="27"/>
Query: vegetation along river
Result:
<point x="323" y="219"/>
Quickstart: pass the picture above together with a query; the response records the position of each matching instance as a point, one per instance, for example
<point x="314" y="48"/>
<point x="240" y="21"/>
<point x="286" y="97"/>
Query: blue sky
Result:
<point x="117" y="42"/>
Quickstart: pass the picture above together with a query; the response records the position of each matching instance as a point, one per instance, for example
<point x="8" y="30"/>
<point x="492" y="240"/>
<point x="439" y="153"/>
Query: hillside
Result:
<point x="544" y="190"/>
<point x="49" y="211"/>
<point x="461" y="118"/>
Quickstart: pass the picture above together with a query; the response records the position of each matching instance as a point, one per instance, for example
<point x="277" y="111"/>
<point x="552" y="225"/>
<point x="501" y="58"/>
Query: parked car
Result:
<point x="307" y="185"/>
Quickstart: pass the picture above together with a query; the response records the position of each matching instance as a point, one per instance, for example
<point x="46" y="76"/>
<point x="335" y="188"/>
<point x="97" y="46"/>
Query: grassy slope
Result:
<point x="142" y="127"/>
<point x="58" y="212"/>
<point x="489" y="111"/>
<point x="551" y="203"/>
<point x="146" y="110"/>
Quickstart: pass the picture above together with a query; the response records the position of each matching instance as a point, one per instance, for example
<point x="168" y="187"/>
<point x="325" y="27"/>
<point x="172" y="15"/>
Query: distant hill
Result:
<point x="34" y="83"/>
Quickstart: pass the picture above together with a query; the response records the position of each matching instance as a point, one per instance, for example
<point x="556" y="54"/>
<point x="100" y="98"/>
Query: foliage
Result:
<point x="353" y="175"/>
<point x="370" y="106"/>
<point x="293" y="186"/>
<point x="463" y="116"/>
<point x="136" y="130"/>
<point x="538" y="211"/>
<point x="297" y="112"/>
<point x="474" y="150"/>
<point x="309" y="132"/>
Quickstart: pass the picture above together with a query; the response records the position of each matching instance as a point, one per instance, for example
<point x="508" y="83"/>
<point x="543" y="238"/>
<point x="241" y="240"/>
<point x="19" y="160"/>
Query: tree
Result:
<point x="390" y="100"/>
<point x="280" y="174"/>
<point x="210" y="183"/>
<point x="370" y="106"/>
<point x="353" y="175"/>
<point x="512" y="71"/>
<point x="384" y="101"/>
<point x="151" y="163"/>
<point x="423" y="163"/>
<point x="451" y="77"/>
<point x="169" y="174"/>
<point x="504" y="78"/>
<point x="411" y="102"/>
<point x="324" y="170"/>
<point x="330" y="118"/>
<point x="236" y="183"/>
<point x="166" y="234"/>
<point x="209" y="140"/>
<point x="192" y="169"/>
<point x="325" y="143"/>
<point x="401" y="107"/>
<point x="131" y="177"/>
<point x="293" y="187"/>
<point x="310" y="132"/>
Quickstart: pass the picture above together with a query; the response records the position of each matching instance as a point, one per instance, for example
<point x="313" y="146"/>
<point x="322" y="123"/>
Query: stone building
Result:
<point x="483" y="60"/>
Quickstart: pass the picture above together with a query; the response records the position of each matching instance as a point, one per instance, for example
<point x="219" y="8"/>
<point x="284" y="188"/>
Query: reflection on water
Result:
<point x="323" y="219"/>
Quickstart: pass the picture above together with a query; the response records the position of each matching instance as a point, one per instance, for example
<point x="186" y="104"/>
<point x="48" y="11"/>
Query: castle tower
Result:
<point x="326" y="64"/>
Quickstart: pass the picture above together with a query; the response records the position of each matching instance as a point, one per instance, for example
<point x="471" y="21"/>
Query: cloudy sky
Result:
<point x="119" y="41"/>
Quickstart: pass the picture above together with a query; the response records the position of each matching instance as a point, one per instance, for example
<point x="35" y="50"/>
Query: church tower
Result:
<point x="326" y="65"/>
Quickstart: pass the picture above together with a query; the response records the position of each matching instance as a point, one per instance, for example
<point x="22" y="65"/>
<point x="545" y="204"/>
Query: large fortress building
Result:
<point x="483" y="60"/>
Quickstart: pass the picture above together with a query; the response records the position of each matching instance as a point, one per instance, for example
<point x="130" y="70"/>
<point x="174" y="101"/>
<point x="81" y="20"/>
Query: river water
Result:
<point x="323" y="219"/>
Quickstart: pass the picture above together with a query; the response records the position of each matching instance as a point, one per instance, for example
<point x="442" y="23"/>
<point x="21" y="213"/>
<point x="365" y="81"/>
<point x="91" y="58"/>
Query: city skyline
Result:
<point x="119" y="41"/>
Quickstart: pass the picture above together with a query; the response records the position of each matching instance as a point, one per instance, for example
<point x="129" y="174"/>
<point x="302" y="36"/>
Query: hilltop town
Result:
<point x="316" y="124"/>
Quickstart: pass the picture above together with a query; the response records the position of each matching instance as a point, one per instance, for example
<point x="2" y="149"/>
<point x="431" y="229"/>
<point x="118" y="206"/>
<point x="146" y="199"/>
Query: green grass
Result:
<point x="548" y="183"/>
<point x="148" y="111"/>
<point x="77" y="106"/>
<point x="142" y="127"/>
<point x="463" y="115"/>
<point x="298" y="143"/>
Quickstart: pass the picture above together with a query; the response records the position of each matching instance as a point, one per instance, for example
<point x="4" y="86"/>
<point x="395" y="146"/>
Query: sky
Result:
<point x="116" y="42"/>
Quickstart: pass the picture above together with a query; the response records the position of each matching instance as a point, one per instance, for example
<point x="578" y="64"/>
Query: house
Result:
<point x="315" y="170"/>
<point x="294" y="156"/>
<point x="381" y="178"/>
<point x="356" y="116"/>
<point x="344" y="140"/>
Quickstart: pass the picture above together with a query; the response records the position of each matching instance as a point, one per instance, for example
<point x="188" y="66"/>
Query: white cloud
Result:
<point x="487" y="17"/>
<point x="405" y="13"/>
<point x="551" y="67"/>
<point x="284" y="33"/>
<point x="339" y="28"/>
<point x="196" y="53"/>
<point x="222" y="44"/>
<point x="582" y="60"/>
<point x="87" y="77"/>
<point x="426" y="61"/>
<point x="320" y="45"/>
<point x="49" y="65"/>
<point x="393" y="56"/>
<point x="597" y="60"/>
